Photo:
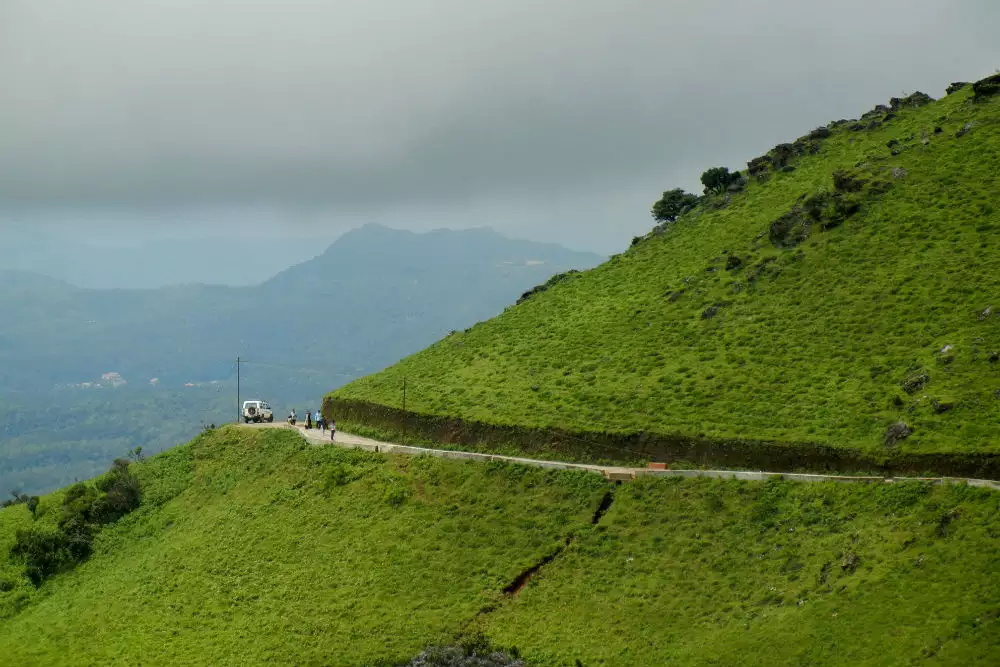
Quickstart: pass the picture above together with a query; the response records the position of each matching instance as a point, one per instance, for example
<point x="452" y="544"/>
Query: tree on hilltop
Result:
<point x="717" y="179"/>
<point x="672" y="203"/>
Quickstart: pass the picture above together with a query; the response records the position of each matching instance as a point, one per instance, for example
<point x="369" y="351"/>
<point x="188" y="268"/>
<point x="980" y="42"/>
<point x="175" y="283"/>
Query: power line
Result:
<point x="311" y="371"/>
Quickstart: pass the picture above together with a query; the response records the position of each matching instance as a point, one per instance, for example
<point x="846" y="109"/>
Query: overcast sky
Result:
<point x="557" y="120"/>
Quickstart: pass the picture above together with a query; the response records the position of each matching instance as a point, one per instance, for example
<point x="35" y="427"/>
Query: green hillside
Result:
<point x="251" y="547"/>
<point x="852" y="285"/>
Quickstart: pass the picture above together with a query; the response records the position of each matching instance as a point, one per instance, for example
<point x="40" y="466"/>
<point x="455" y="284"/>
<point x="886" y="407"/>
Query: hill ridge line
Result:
<point x="612" y="473"/>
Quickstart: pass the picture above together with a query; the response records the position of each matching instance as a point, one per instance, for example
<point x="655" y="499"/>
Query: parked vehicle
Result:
<point x="257" y="411"/>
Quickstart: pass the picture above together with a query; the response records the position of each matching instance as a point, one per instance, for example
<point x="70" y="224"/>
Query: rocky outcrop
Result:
<point x="896" y="432"/>
<point x="987" y="87"/>
<point x="915" y="381"/>
<point x="782" y="155"/>
<point x="848" y="181"/>
<point x="790" y="229"/>
<point x="917" y="99"/>
<point x="879" y="111"/>
<point x="824" y="209"/>
<point x="760" y="167"/>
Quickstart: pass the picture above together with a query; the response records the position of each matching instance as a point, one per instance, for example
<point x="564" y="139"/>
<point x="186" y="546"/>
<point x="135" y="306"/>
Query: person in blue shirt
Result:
<point x="320" y="422"/>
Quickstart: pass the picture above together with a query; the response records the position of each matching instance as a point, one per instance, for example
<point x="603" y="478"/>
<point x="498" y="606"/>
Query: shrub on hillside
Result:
<point x="672" y="204"/>
<point x="45" y="551"/>
<point x="121" y="493"/>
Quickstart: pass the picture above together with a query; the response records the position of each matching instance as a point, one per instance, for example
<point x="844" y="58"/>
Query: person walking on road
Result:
<point x="292" y="417"/>
<point x="333" y="428"/>
<point x="309" y="420"/>
<point x="320" y="422"/>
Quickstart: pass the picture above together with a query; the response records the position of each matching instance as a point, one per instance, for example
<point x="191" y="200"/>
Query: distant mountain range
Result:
<point x="374" y="296"/>
<point x="157" y="262"/>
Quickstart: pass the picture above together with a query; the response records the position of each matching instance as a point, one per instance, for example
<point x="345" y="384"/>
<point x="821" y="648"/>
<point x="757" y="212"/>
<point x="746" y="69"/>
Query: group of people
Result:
<point x="314" y="420"/>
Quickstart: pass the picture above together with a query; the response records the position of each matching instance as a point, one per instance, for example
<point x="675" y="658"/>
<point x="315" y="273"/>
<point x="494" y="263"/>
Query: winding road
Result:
<point x="612" y="473"/>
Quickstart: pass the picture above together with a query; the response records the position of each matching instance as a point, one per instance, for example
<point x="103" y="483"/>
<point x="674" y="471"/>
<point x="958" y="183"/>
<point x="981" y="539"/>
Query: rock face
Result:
<point x="986" y="87"/>
<point x="896" y="432"/>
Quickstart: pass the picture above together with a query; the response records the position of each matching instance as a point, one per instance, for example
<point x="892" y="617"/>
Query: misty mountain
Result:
<point x="374" y="296"/>
<point x="216" y="260"/>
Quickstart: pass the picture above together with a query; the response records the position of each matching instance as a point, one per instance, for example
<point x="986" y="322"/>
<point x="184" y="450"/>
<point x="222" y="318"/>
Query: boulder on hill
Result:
<point x="986" y="87"/>
<point x="914" y="382"/>
<point x="896" y="432"/>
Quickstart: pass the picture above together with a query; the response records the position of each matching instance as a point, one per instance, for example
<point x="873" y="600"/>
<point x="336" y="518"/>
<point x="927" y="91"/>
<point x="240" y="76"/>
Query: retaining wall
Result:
<point x="724" y="453"/>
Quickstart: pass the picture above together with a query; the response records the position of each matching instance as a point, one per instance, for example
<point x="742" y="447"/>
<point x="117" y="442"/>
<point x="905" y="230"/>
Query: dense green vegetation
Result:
<point x="850" y="286"/>
<point x="250" y="546"/>
<point x="51" y="439"/>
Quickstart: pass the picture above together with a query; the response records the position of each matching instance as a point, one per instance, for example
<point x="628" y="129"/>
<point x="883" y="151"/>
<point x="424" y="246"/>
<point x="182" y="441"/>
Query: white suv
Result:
<point x="257" y="411"/>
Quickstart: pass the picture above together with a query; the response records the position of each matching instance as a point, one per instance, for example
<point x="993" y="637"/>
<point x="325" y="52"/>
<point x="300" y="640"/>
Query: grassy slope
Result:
<point x="702" y="572"/>
<point x="244" y="552"/>
<point x="258" y="557"/>
<point x="813" y="351"/>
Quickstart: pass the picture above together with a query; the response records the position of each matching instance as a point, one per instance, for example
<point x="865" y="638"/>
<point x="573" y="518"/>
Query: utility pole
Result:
<point x="239" y="409"/>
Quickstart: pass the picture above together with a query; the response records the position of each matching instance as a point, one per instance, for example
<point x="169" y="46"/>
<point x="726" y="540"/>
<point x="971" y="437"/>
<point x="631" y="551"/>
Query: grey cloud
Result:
<point x="444" y="106"/>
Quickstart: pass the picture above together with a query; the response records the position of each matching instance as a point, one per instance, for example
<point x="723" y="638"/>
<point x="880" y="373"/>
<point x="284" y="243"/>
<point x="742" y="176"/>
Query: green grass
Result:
<point x="252" y="547"/>
<point x="702" y="572"/>
<point x="811" y="350"/>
